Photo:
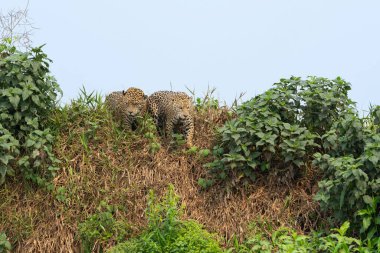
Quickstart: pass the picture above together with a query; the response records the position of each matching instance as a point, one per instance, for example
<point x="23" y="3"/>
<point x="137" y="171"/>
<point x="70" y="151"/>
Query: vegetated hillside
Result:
<point x="102" y="163"/>
<point x="71" y="179"/>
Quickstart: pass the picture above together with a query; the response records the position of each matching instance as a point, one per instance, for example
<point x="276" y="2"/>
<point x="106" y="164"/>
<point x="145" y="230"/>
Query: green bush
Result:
<point x="27" y="95"/>
<point x="374" y="117"/>
<point x="167" y="233"/>
<point x="347" y="136"/>
<point x="278" y="130"/>
<point x="351" y="184"/>
<point x="101" y="227"/>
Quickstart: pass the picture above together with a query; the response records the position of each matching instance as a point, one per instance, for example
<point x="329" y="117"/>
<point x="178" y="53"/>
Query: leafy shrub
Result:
<point x="167" y="233"/>
<point x="148" y="128"/>
<point x="375" y="118"/>
<point x="5" y="245"/>
<point x="101" y="227"/>
<point x="348" y="135"/>
<point x="27" y="95"/>
<point x="9" y="150"/>
<point x="205" y="103"/>
<point x="278" y="130"/>
<point x="370" y="221"/>
<point x="351" y="170"/>
<point x="287" y="240"/>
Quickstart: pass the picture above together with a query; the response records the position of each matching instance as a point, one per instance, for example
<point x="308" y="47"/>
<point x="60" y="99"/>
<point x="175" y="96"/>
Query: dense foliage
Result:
<point x="278" y="130"/>
<point x="286" y="240"/>
<point x="167" y="233"/>
<point x="27" y="94"/>
<point x="101" y="227"/>
<point x="285" y="129"/>
<point x="298" y="122"/>
<point x="351" y="166"/>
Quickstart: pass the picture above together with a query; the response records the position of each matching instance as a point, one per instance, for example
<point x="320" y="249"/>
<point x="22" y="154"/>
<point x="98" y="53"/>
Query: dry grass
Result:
<point x="119" y="169"/>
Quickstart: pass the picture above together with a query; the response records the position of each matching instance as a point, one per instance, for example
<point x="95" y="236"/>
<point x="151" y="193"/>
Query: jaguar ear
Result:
<point x="145" y="96"/>
<point x="124" y="92"/>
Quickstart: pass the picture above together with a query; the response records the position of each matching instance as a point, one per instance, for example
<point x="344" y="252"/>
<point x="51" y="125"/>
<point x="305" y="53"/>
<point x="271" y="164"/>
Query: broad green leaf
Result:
<point x="26" y="93"/>
<point x="17" y="116"/>
<point x="5" y="146"/>
<point x="5" y="158"/>
<point x="11" y="172"/>
<point x="343" y="229"/>
<point x="367" y="199"/>
<point x="366" y="223"/>
<point x="371" y="233"/>
<point x="3" y="172"/>
<point x="36" y="100"/>
<point x="29" y="142"/>
<point x="14" y="100"/>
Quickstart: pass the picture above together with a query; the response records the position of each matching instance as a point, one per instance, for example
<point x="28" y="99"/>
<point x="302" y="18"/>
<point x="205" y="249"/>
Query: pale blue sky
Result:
<point x="235" y="46"/>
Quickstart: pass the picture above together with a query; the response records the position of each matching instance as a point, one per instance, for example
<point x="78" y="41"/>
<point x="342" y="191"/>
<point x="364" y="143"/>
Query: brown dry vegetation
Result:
<point x="119" y="169"/>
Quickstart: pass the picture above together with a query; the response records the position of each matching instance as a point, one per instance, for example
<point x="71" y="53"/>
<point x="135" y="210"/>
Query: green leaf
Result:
<point x="17" y="116"/>
<point x="29" y="143"/>
<point x="23" y="161"/>
<point x="36" y="100"/>
<point x="11" y="172"/>
<point x="236" y="137"/>
<point x="14" y="100"/>
<point x="287" y="126"/>
<point x="6" y="146"/>
<point x="35" y="153"/>
<point x="3" y="172"/>
<point x="371" y="233"/>
<point x="367" y="199"/>
<point x="5" y="159"/>
<point x="343" y="229"/>
<point x="26" y="93"/>
<point x="363" y="212"/>
<point x="366" y="223"/>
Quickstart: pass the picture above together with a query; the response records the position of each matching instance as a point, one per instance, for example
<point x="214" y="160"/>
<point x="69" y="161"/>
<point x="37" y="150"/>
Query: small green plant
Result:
<point x="90" y="100"/>
<point x="208" y="101"/>
<point x="204" y="153"/>
<point x="370" y="217"/>
<point x="5" y="245"/>
<point x="177" y="140"/>
<point x="255" y="243"/>
<point x="61" y="194"/>
<point x="338" y="242"/>
<point x="167" y="233"/>
<point x="205" y="103"/>
<point x="101" y="227"/>
<point x="149" y="130"/>
<point x="205" y="183"/>
<point x="192" y="150"/>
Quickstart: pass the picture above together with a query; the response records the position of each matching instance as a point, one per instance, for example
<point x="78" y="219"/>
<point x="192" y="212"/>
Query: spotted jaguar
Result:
<point x="170" y="109"/>
<point x="127" y="105"/>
